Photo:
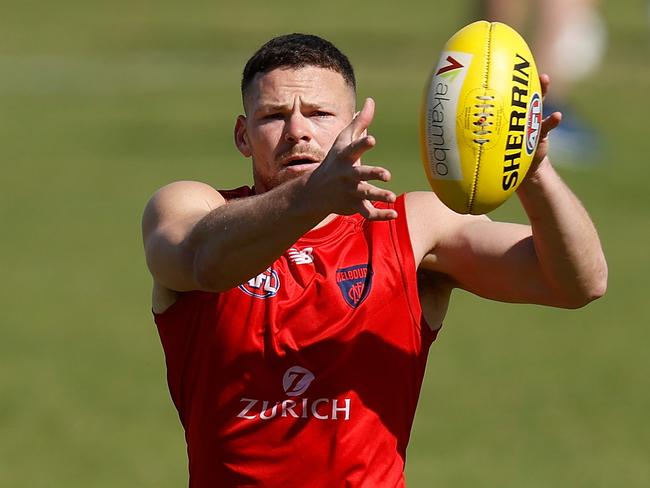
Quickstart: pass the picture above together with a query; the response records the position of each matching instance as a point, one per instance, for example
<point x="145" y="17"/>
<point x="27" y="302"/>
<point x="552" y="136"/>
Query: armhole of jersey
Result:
<point x="404" y="251"/>
<point x="177" y="309"/>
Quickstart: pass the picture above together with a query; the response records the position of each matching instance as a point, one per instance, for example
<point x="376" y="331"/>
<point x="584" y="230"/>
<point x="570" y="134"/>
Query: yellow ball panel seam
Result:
<point x="479" y="146"/>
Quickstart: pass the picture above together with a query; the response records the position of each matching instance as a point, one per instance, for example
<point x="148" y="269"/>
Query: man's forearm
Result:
<point x="565" y="239"/>
<point x="240" y="239"/>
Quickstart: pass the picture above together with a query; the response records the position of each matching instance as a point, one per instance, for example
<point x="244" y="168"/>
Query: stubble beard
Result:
<point x="281" y="174"/>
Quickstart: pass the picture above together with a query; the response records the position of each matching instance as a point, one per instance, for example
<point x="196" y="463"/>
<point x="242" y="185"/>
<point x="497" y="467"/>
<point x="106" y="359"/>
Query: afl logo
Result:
<point x="355" y="283"/>
<point x="296" y="380"/>
<point x="533" y="123"/>
<point x="264" y="285"/>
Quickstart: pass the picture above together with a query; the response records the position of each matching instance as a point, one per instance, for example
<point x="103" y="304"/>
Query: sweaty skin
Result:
<point x="306" y="146"/>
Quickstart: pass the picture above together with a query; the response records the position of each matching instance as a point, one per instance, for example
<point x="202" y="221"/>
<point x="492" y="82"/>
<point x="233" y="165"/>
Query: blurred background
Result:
<point x="101" y="103"/>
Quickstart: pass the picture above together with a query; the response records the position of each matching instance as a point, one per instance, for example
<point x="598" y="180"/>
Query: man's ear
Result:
<point x="241" y="137"/>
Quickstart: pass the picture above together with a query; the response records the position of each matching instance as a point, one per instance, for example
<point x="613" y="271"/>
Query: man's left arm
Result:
<point x="565" y="240"/>
<point x="557" y="260"/>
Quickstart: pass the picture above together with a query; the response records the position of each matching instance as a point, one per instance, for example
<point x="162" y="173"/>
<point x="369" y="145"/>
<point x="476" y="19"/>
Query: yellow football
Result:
<point x="481" y="117"/>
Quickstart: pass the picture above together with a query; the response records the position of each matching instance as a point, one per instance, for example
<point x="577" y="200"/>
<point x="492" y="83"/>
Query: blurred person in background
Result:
<point x="569" y="41"/>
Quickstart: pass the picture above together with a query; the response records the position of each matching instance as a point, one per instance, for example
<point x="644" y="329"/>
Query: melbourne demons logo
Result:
<point x="355" y="283"/>
<point x="264" y="285"/>
<point x="534" y="123"/>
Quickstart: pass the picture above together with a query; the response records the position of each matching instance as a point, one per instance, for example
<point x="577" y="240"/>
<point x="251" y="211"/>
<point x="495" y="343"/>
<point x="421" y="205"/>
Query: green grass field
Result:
<point x="103" y="102"/>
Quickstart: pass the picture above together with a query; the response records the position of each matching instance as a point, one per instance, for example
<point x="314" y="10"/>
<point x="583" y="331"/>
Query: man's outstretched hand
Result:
<point x="340" y="183"/>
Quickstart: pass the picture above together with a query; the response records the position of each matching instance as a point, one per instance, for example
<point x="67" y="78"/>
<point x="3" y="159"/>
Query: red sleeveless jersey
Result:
<point x="309" y="373"/>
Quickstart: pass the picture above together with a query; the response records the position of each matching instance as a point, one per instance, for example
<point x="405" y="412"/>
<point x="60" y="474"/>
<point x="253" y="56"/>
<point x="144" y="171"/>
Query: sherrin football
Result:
<point x="481" y="118"/>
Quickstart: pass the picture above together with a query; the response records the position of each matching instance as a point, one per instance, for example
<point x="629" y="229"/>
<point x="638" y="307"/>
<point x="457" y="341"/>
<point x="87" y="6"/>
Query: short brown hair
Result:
<point x="297" y="51"/>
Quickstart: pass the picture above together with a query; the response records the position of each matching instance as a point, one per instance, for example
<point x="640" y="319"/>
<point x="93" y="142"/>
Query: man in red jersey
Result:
<point x="296" y="315"/>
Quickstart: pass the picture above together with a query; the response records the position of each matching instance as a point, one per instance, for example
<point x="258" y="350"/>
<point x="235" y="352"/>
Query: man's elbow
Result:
<point x="594" y="287"/>
<point x="207" y="277"/>
<point x="600" y="287"/>
<point x="206" y="270"/>
<point x="586" y="297"/>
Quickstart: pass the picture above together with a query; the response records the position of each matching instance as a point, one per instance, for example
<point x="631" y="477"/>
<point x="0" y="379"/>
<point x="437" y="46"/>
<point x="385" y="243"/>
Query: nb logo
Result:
<point x="296" y="380"/>
<point x="264" y="285"/>
<point x="301" y="257"/>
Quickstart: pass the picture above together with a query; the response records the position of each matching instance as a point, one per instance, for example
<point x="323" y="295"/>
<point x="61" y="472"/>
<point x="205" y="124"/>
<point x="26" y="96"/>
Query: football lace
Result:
<point x="483" y="123"/>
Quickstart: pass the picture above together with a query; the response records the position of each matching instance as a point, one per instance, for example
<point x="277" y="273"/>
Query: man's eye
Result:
<point x="321" y="113"/>
<point x="273" y="116"/>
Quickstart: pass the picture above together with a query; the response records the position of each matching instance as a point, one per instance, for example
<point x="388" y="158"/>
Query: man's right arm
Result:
<point x="195" y="240"/>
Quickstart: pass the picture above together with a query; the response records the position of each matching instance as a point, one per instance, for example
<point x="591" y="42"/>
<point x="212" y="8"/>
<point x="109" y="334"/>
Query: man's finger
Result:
<point x="356" y="148"/>
<point x="366" y="191"/>
<point x="369" y="212"/>
<point x="363" y="119"/>
<point x="550" y="123"/>
<point x="383" y="214"/>
<point x="545" y="81"/>
<point x="358" y="128"/>
<point x="367" y="173"/>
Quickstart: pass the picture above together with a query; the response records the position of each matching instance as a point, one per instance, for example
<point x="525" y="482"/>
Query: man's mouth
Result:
<point x="299" y="160"/>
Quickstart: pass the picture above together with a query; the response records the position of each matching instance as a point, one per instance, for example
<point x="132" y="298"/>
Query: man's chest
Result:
<point x="313" y="296"/>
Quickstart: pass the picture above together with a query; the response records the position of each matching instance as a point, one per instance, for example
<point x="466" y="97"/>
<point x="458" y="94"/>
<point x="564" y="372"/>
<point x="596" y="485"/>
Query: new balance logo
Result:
<point x="301" y="257"/>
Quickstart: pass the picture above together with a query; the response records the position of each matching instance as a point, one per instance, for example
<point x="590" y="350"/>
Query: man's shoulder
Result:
<point x="184" y="187"/>
<point x="424" y="205"/>
<point x="174" y="208"/>
<point x="180" y="196"/>
<point x="167" y="221"/>
<point x="430" y="221"/>
<point x="187" y="192"/>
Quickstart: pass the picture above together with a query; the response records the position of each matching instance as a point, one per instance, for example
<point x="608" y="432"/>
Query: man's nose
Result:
<point x="298" y="128"/>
